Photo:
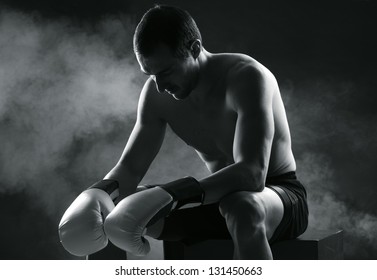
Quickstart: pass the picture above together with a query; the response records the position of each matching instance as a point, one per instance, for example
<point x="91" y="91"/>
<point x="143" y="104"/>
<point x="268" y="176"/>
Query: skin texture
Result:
<point x="229" y="109"/>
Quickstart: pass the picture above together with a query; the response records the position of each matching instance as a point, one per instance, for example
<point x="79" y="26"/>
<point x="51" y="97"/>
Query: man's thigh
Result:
<point x="273" y="207"/>
<point x="206" y="221"/>
<point x="203" y="222"/>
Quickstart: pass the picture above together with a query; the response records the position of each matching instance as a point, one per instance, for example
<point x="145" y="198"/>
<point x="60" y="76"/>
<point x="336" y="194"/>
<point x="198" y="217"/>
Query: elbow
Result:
<point x="252" y="179"/>
<point x="260" y="188"/>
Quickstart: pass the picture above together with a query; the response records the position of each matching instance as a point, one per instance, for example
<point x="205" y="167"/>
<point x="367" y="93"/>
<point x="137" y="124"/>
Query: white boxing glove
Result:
<point x="125" y="226"/>
<point x="81" y="228"/>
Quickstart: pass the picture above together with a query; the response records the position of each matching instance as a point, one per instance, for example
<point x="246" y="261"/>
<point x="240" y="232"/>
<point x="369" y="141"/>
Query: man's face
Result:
<point x="172" y="75"/>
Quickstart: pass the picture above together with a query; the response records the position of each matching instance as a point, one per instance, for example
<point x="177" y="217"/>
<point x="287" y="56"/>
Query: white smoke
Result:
<point x="58" y="84"/>
<point x="68" y="99"/>
<point x="327" y="211"/>
<point x="329" y="136"/>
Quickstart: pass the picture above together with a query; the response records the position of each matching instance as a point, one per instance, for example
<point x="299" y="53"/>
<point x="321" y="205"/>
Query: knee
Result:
<point x="243" y="208"/>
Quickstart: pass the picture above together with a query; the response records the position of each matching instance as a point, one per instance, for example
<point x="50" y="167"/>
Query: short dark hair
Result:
<point x="168" y="25"/>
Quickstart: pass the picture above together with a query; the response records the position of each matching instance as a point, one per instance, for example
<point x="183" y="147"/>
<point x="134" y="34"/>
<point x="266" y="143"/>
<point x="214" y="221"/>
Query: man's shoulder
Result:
<point x="151" y="102"/>
<point x="245" y="68"/>
<point x="246" y="77"/>
<point x="150" y="95"/>
<point x="149" y="88"/>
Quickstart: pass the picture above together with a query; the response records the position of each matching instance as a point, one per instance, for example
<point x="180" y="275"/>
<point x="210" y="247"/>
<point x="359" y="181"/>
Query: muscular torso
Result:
<point x="208" y="125"/>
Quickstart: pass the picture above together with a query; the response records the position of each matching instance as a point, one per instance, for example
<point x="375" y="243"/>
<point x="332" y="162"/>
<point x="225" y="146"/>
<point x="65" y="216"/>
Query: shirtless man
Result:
<point x="229" y="109"/>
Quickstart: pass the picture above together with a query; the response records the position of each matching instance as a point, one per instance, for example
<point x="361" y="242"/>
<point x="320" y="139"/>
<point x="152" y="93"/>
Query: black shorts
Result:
<point x="205" y="222"/>
<point x="294" y="197"/>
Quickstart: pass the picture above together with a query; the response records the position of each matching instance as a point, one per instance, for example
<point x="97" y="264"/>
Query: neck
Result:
<point x="204" y="83"/>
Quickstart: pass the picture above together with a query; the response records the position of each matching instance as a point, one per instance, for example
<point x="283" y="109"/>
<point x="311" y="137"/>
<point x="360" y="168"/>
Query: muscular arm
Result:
<point x="250" y="93"/>
<point x="143" y="144"/>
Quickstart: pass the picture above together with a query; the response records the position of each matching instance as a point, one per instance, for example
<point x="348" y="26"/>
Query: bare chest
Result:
<point x="210" y="132"/>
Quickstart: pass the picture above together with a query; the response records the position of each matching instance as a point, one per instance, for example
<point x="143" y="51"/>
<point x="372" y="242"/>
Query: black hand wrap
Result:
<point x="111" y="187"/>
<point x="185" y="191"/>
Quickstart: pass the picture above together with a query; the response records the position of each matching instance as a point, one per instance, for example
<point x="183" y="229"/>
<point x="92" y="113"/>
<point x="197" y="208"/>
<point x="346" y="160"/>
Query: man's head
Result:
<point x="165" y="25"/>
<point x="167" y="43"/>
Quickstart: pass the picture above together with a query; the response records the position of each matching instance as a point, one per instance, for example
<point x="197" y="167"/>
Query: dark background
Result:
<point x="69" y="85"/>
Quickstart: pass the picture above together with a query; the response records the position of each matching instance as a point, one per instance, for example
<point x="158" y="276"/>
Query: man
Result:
<point x="229" y="109"/>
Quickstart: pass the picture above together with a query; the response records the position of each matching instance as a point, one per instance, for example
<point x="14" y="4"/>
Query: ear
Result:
<point x="195" y="48"/>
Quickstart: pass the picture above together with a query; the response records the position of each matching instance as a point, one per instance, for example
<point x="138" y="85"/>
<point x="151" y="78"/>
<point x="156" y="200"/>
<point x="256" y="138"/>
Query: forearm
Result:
<point x="126" y="179"/>
<point x="235" y="177"/>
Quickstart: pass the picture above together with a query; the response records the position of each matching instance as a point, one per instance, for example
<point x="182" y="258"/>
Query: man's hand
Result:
<point x="127" y="223"/>
<point x="81" y="227"/>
